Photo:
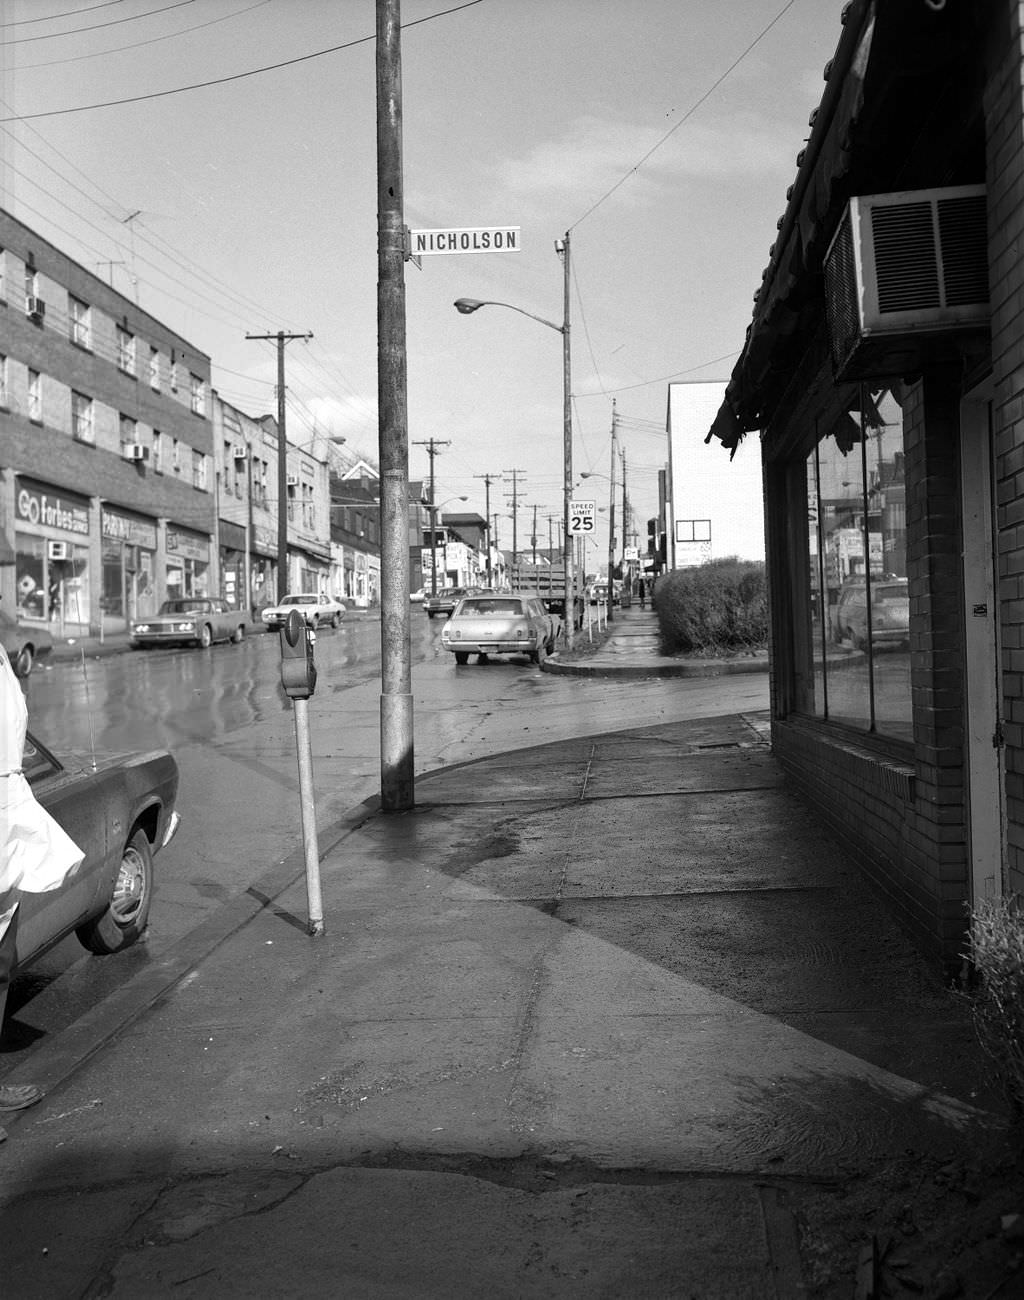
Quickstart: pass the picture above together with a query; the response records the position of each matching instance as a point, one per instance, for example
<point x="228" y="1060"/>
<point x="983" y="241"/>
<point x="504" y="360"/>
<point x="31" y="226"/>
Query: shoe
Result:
<point x="17" y="1096"/>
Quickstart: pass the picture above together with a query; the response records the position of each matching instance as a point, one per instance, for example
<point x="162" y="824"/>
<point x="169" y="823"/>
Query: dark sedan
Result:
<point x="120" y="812"/>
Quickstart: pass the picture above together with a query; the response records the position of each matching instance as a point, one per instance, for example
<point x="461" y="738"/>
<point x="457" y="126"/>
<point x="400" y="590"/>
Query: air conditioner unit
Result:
<point x="35" y="307"/>
<point x="239" y="451"/>
<point x="901" y="269"/>
<point x="56" y="550"/>
<point x="134" y="451"/>
<point x="292" y="480"/>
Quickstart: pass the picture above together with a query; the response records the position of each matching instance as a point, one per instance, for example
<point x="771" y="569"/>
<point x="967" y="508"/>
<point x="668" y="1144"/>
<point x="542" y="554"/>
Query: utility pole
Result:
<point x="488" y="479"/>
<point x="611" y="512"/>
<point x="282" y="460"/>
<point x="562" y="249"/>
<point x="396" y="704"/>
<point x="533" y="535"/>
<point x="515" y="473"/>
<point x="625" y="522"/>
<point x="432" y="445"/>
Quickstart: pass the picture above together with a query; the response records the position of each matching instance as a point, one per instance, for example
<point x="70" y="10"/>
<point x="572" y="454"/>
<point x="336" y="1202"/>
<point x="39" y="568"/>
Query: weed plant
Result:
<point x="997" y="954"/>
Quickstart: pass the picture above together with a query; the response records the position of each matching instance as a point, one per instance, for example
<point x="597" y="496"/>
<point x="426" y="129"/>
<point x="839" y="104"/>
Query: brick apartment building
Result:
<point x="107" y="479"/>
<point x="884" y="371"/>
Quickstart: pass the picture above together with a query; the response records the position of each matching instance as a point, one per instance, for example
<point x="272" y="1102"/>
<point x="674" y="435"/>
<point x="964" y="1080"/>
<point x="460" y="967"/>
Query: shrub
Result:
<point x="717" y="608"/>
<point x="997" y="953"/>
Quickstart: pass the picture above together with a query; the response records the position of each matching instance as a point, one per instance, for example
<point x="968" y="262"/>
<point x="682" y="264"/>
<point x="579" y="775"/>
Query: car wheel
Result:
<point x="206" y="636"/>
<point x="238" y="634"/>
<point x="461" y="657"/>
<point x="23" y="661"/>
<point x="483" y="659"/>
<point x="127" y="913"/>
<point x="430" y="613"/>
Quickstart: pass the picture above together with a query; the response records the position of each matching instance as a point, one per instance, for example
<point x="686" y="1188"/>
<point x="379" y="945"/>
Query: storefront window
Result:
<point x="30" y="576"/>
<point x="860" y="615"/>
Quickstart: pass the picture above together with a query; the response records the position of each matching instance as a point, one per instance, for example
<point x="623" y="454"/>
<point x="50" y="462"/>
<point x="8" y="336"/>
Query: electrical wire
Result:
<point x="70" y="13"/>
<point x="114" y="22"/>
<point x="237" y="76"/>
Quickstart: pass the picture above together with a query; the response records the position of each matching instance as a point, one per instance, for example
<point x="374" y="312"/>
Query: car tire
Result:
<point x="238" y="635"/>
<point x="205" y="636"/>
<point x="461" y="657"/>
<point x="127" y="913"/>
<point x="336" y="621"/>
<point x="23" y="660"/>
<point x="430" y="613"/>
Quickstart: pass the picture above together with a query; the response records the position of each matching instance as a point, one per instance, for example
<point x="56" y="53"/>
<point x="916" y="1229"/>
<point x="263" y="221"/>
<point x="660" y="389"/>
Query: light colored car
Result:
<point x="500" y="623"/>
<point x="317" y="611"/>
<point x="890" y="613"/>
<point x="188" y="620"/>
<point x="25" y="645"/>
<point x="120" y="812"/>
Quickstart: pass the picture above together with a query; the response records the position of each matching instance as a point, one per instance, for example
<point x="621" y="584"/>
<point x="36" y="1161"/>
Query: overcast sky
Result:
<point x="662" y="134"/>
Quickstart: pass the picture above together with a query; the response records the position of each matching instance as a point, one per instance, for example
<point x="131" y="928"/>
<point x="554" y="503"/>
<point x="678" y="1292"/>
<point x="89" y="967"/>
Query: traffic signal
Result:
<point x="652" y="536"/>
<point x="298" y="671"/>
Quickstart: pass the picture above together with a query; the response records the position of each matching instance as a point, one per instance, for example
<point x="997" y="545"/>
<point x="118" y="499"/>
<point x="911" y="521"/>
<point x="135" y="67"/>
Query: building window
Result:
<point x="80" y="317"/>
<point x="197" y="391"/>
<point x="82" y="424"/>
<point x="3" y="380"/>
<point x="857" y="563"/>
<point x="125" y="351"/>
<point x="35" y="396"/>
<point x="154" y="369"/>
<point x="198" y="469"/>
<point x="3" y="276"/>
<point x="176" y="455"/>
<point x="129" y="430"/>
<point x="158" y="451"/>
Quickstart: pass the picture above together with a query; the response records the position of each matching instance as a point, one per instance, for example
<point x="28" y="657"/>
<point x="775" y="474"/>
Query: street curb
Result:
<point x="54" y="1062"/>
<point x="670" y="668"/>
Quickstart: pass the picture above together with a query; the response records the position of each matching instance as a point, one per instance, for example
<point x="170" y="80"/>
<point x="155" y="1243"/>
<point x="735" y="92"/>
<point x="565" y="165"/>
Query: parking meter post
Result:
<point x="307" y="801"/>
<point x="298" y="677"/>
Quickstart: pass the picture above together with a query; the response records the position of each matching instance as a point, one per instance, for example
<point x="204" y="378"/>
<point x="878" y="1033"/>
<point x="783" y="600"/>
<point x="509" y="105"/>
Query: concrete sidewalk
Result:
<point x="597" y="1019"/>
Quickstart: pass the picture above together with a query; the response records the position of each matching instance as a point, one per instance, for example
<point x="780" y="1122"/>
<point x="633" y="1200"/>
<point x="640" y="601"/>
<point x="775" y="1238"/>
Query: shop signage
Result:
<point x="126" y="528"/>
<point x="50" y="509"/>
<point x="187" y="546"/>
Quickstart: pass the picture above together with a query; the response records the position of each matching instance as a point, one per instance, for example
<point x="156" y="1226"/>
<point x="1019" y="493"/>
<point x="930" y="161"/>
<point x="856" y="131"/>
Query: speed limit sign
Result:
<point x="582" y="516"/>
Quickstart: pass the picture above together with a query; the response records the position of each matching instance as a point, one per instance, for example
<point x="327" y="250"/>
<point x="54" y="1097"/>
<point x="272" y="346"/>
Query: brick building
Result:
<point x="107" y="482"/>
<point x="884" y="373"/>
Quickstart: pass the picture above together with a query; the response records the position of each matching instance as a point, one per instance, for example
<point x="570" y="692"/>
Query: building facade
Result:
<point x="107" y="480"/>
<point x="884" y="369"/>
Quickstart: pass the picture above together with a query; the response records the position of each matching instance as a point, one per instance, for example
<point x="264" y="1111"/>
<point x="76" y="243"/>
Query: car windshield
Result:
<point x="492" y="605"/>
<point x="299" y="600"/>
<point x="184" y="606"/>
<point x="890" y="595"/>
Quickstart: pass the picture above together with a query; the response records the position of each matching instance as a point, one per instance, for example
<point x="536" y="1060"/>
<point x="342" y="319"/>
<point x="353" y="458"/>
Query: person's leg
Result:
<point x="13" y="1096"/>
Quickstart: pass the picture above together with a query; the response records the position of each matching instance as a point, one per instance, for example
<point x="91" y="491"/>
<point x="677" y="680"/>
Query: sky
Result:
<point x="661" y="135"/>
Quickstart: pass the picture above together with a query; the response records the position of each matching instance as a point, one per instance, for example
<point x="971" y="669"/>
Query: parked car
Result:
<point x="500" y="623"/>
<point x="120" y="813"/>
<point x="25" y="645"/>
<point x="445" y="600"/>
<point x="316" y="610"/>
<point x="890" y="613"/>
<point x="188" y="620"/>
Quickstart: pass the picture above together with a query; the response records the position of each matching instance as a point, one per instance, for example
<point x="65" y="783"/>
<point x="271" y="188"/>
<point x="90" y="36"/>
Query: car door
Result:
<point x="75" y="800"/>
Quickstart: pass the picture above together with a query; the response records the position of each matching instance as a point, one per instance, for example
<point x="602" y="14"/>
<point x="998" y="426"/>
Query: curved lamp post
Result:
<point x="466" y="306"/>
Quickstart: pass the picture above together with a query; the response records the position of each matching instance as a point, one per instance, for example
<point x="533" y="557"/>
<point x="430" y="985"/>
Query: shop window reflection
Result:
<point x="860" y="625"/>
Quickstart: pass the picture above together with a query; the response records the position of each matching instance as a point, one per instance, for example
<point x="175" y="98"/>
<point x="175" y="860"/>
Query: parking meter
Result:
<point x="298" y="671"/>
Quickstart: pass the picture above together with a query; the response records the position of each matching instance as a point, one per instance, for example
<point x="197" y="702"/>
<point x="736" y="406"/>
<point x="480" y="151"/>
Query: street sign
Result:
<point x="630" y="553"/>
<point x="582" y="516"/>
<point x="465" y="239"/>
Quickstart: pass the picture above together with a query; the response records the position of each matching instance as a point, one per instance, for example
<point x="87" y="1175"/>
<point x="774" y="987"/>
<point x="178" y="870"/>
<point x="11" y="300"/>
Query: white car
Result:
<point x="316" y="610"/>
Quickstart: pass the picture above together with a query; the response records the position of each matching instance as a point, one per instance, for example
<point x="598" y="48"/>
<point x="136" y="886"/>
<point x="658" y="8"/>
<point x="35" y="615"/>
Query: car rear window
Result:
<point x="492" y="605"/>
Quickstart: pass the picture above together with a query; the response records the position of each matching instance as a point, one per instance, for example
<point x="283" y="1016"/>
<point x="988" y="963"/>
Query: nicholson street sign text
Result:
<point x="465" y="239"/>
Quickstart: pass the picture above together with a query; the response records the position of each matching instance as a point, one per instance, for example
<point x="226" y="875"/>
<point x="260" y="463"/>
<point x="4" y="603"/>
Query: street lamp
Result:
<point x="466" y="306"/>
<point x="433" y="540"/>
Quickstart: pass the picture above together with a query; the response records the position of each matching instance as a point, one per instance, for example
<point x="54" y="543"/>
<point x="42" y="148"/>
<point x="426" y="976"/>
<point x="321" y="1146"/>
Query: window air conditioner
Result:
<point x="56" y="550"/>
<point x="901" y="269"/>
<point x="134" y="451"/>
<point x="293" y="480"/>
<point x="35" y="307"/>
